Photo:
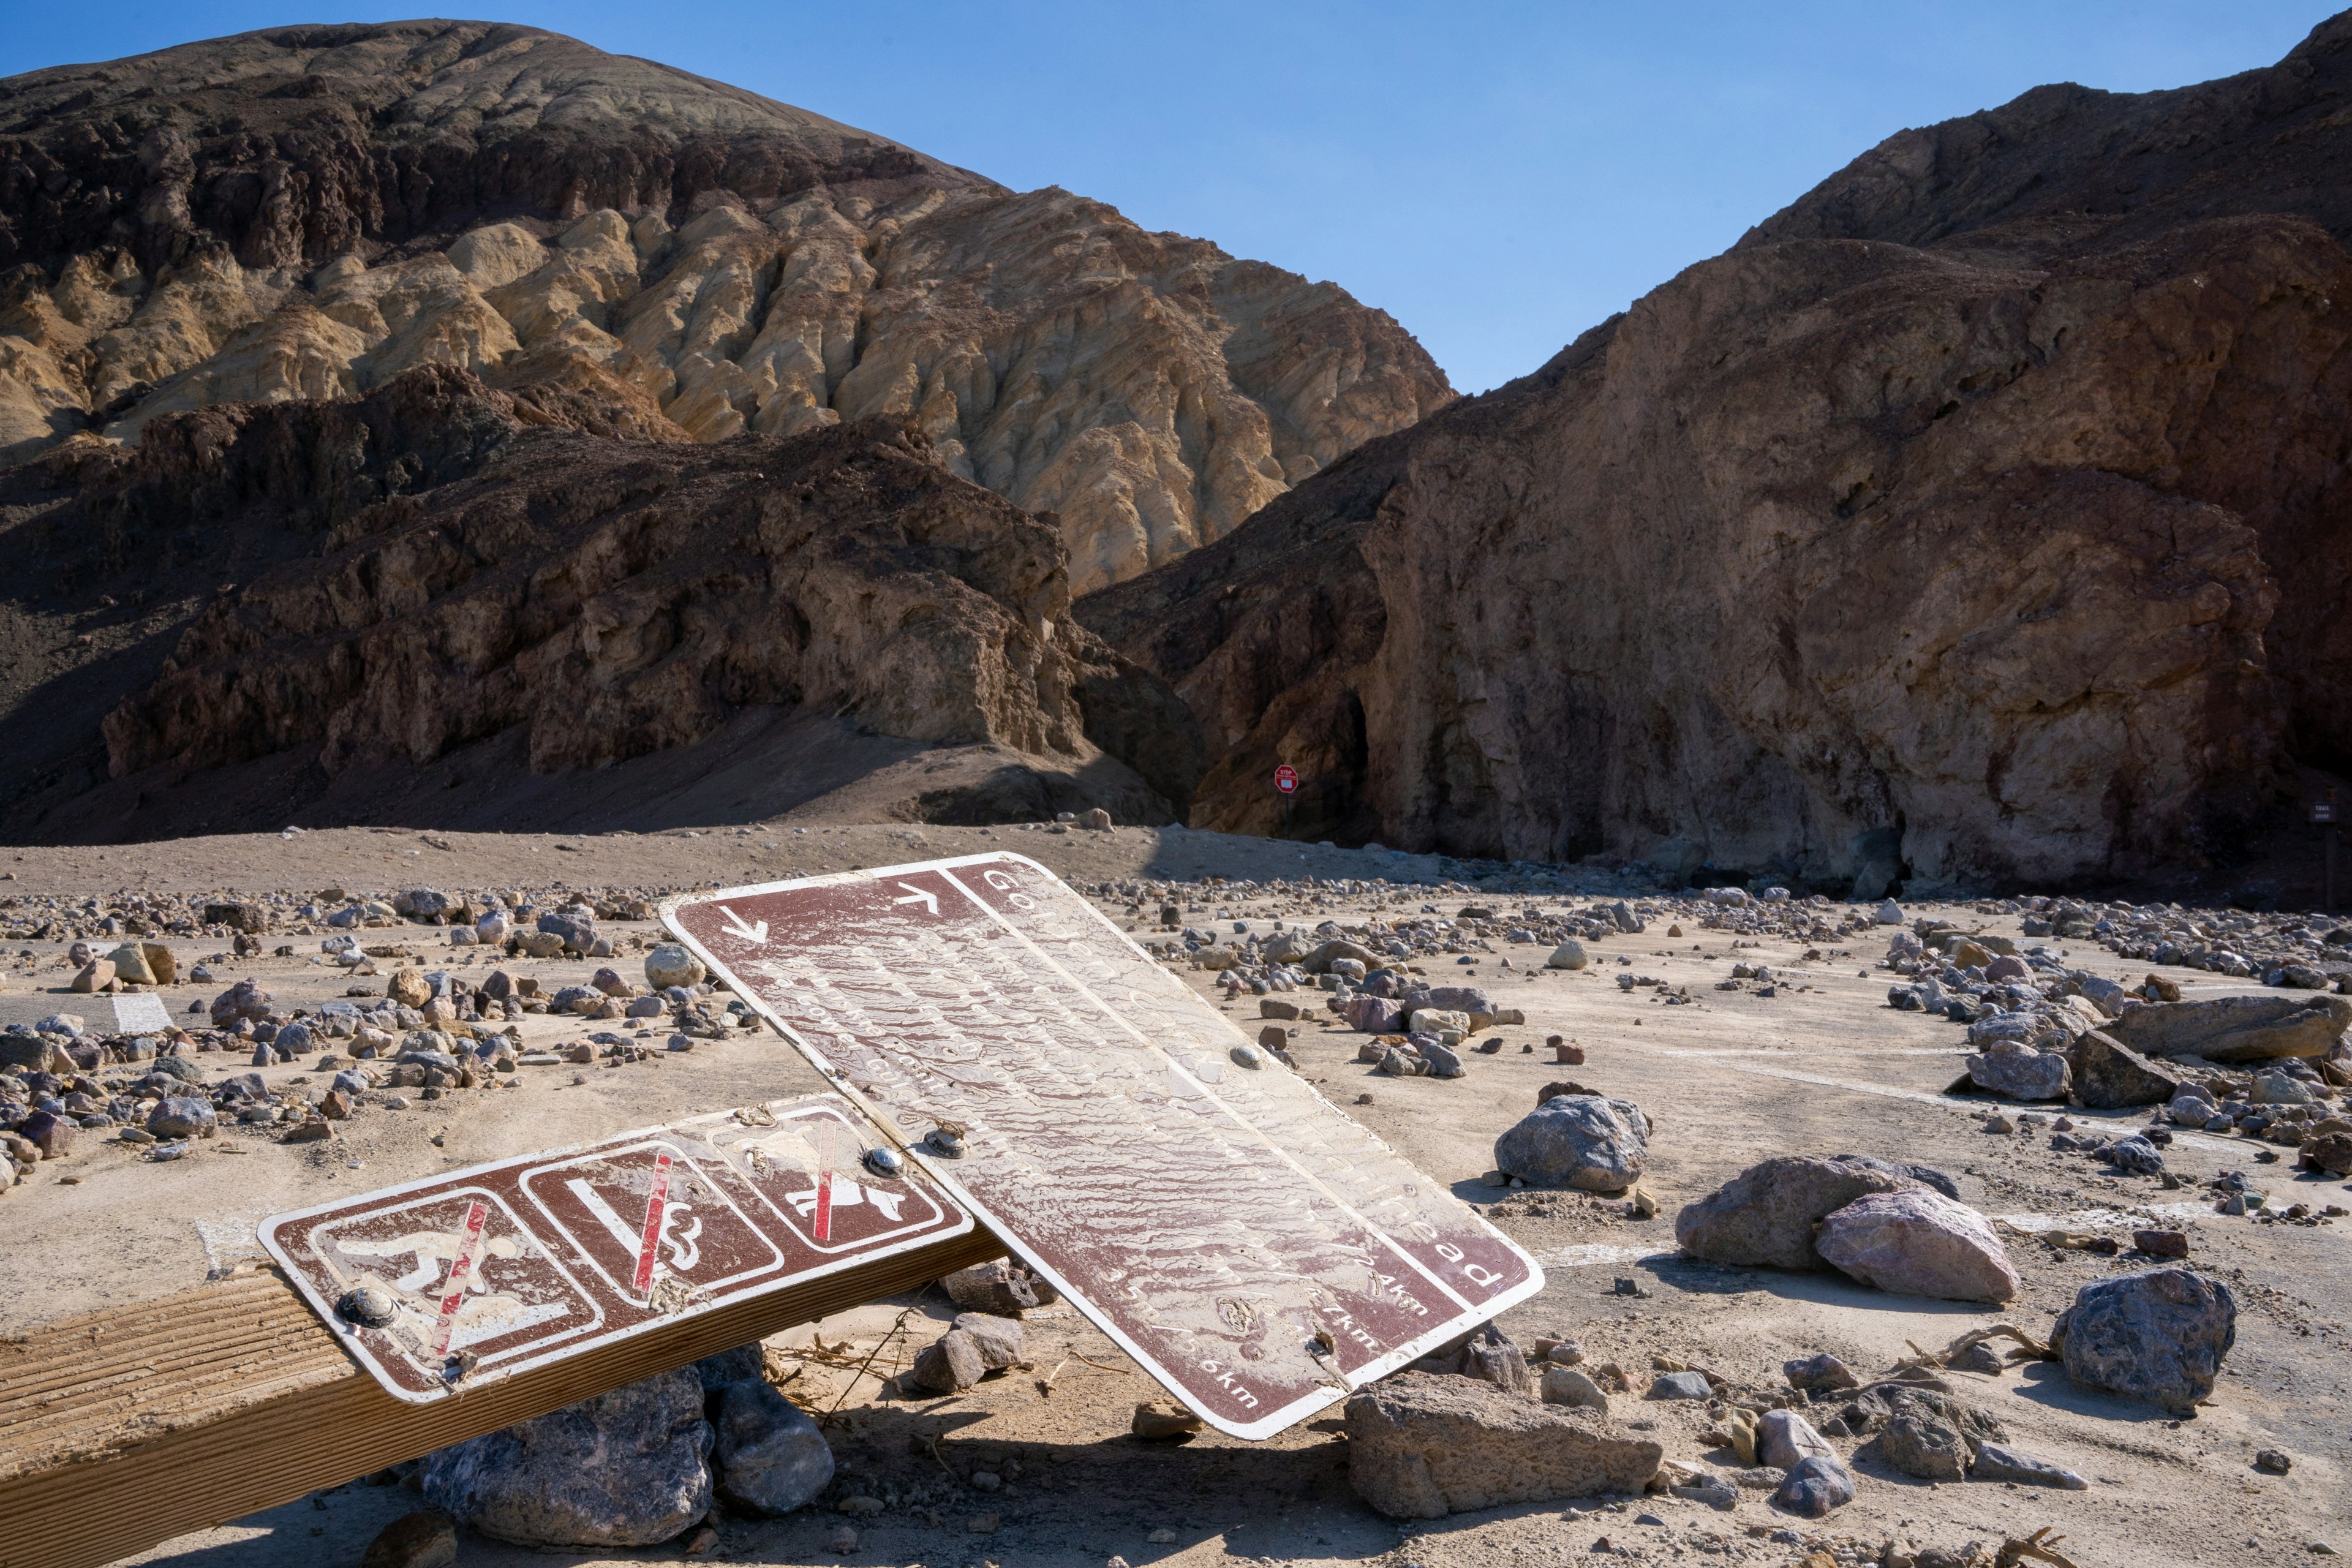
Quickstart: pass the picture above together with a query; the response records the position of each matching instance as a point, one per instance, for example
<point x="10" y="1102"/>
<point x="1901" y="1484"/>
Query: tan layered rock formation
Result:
<point x="308" y="211"/>
<point x="456" y="565"/>
<point x="1984" y="518"/>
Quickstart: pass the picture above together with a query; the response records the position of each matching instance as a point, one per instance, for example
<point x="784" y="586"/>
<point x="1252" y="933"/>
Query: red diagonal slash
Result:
<point x="825" y="1205"/>
<point x="650" y="1247"/>
<point x="461" y="1268"/>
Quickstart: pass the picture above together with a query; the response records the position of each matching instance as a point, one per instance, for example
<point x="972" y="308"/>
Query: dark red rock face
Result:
<point x="1977" y="519"/>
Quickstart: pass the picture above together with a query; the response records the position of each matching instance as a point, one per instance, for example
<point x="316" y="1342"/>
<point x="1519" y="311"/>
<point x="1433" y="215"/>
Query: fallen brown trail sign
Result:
<point x="1255" y="1250"/>
<point x="122" y="1428"/>
<point x="472" y="1276"/>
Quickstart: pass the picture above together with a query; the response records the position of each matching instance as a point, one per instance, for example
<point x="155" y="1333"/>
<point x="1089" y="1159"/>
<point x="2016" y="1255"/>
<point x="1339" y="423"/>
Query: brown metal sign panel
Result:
<point x="1255" y="1250"/>
<point x="483" y="1273"/>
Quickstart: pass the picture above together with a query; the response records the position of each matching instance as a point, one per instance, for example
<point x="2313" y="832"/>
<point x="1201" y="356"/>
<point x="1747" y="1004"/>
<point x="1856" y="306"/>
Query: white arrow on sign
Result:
<point x="756" y="933"/>
<point x="916" y="896"/>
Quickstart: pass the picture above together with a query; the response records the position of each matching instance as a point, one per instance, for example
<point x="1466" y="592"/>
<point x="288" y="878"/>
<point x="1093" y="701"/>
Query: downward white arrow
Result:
<point x="756" y="933"/>
<point x="916" y="896"/>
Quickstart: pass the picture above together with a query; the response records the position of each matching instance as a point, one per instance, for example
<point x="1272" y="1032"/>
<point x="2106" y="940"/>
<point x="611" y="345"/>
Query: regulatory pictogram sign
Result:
<point x="489" y="1271"/>
<point x="1259" y="1252"/>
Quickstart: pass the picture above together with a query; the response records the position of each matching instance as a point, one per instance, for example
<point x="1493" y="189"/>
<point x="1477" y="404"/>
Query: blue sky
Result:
<point x="1497" y="178"/>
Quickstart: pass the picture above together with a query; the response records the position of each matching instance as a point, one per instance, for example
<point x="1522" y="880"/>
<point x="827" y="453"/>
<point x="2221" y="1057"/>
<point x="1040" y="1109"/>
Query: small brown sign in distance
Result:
<point x="473" y="1276"/>
<point x="1255" y="1250"/>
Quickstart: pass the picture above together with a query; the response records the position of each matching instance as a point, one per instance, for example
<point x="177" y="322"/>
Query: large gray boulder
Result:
<point x="2236" y="1028"/>
<point x="2158" y="1335"/>
<point x="625" y="1469"/>
<point x="1587" y="1142"/>
<point x="2014" y="1069"/>
<point x="2111" y="1076"/>
<point x="1918" y="1243"/>
<point x="1319" y="962"/>
<point x="769" y="1454"/>
<point x="1421" y="1445"/>
<point x="1766" y="1215"/>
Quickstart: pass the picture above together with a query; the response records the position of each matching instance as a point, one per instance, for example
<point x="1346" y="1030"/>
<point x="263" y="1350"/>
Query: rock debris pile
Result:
<point x="424" y="1035"/>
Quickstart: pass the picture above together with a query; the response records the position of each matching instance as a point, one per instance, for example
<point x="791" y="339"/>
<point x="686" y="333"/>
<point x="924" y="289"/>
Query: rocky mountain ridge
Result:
<point x="1978" y="520"/>
<point x="447" y="575"/>
<point x="307" y="212"/>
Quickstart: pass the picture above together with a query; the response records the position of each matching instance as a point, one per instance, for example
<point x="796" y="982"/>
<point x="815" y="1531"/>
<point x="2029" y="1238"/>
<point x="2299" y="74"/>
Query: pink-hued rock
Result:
<point x="1920" y="1243"/>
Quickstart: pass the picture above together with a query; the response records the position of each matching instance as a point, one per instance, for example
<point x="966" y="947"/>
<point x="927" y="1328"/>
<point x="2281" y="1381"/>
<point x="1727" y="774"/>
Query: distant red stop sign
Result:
<point x="1285" y="779"/>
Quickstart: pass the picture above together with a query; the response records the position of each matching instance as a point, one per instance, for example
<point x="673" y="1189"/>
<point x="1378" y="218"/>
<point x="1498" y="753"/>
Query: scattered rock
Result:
<point x="2018" y="1070"/>
<point x="51" y="1135"/>
<point x="2236" y="1028"/>
<point x="1163" y="1420"/>
<point x="1492" y="1356"/>
<point x="998" y="1340"/>
<point x="1000" y="1287"/>
<point x="1920" y="1243"/>
<point x="625" y="1469"/>
<point x="671" y="964"/>
<point x="1783" y="1438"/>
<point x="409" y="987"/>
<point x="1767" y="1214"/>
<point x="2159" y="1335"/>
<point x="2134" y="1156"/>
<point x="1679" y="1385"/>
<point x="948" y="1365"/>
<point x="1979" y="1358"/>
<point x="1421" y="1445"/>
<point x="1583" y="1141"/>
<point x="425" y="1538"/>
<point x="2281" y="1088"/>
<point x="183" y="1116"/>
<point x="1819" y="1373"/>
<point x="1706" y="1487"/>
<point x="2331" y="1152"/>
<point x="1815" y="1487"/>
<point x="769" y="1456"/>
<point x="1569" y="955"/>
<point x="1566" y="1386"/>
<point x="1997" y="1463"/>
<point x="1924" y="1448"/>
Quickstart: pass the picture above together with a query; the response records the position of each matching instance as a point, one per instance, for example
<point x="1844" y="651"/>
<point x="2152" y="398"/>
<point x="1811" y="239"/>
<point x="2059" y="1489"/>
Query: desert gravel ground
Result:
<point x="1824" y="1066"/>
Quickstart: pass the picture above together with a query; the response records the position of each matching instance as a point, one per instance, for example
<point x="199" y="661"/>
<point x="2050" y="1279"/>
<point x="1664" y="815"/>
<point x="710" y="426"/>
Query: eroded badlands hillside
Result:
<point x="307" y="212"/>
